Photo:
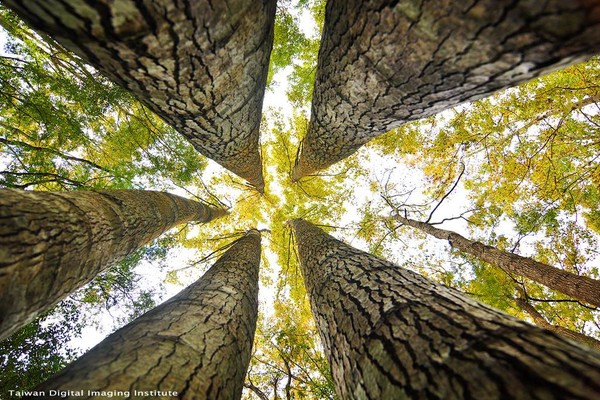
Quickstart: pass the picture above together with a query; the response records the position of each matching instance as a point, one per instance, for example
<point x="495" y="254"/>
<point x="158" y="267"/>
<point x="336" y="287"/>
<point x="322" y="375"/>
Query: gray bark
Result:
<point x="390" y="333"/>
<point x="579" y="287"/>
<point x="201" y="65"/>
<point x="52" y="243"/>
<point x="383" y="63"/>
<point x="198" y="344"/>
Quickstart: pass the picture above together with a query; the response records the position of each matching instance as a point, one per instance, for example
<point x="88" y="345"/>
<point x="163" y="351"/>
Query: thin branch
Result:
<point x="461" y="216"/>
<point x="562" y="301"/>
<point x="448" y="193"/>
<point x="210" y="256"/>
<point x="56" y="176"/>
<point x="67" y="157"/>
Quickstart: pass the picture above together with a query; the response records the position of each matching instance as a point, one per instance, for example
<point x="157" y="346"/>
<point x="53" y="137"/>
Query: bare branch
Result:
<point x="448" y="193"/>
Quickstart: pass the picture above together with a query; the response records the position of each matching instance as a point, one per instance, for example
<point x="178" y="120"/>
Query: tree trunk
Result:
<point x="52" y="243"/>
<point x="577" y="286"/>
<point x="201" y="65"/>
<point x="383" y="63"/>
<point x="261" y="395"/>
<point x="390" y="333"/>
<point x="198" y="344"/>
<point x="540" y="321"/>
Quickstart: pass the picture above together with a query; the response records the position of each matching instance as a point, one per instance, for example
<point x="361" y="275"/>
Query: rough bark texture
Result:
<point x="389" y="333"/>
<point x="197" y="344"/>
<point x="540" y="321"/>
<point x="52" y="243"/>
<point x="201" y="65"/>
<point x="577" y="286"/>
<point x="383" y="63"/>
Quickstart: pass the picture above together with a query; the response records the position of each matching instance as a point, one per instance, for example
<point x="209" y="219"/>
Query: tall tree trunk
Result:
<point x="390" y="333"/>
<point x="52" y="243"/>
<point x="577" y="286"/>
<point x="540" y="321"/>
<point x="383" y="63"/>
<point x="197" y="344"/>
<point x="201" y="65"/>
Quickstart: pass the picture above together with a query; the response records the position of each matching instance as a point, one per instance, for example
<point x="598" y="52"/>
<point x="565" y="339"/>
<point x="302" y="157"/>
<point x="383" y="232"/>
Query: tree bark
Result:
<point x="540" y="321"/>
<point x="52" y="243"/>
<point x="198" y="344"/>
<point x="577" y="286"/>
<point x="201" y="65"/>
<point x="383" y="63"/>
<point x="390" y="333"/>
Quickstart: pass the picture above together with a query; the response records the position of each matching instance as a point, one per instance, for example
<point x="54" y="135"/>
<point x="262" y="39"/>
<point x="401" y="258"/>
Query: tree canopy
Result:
<point x="519" y="171"/>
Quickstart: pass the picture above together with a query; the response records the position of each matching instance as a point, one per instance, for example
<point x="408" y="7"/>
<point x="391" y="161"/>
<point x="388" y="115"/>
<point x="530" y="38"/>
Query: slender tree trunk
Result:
<point x="577" y="286"/>
<point x="52" y="243"/>
<point x="390" y="333"/>
<point x="540" y="321"/>
<point x="261" y="395"/>
<point x="201" y="65"/>
<point x="198" y="344"/>
<point x="383" y="63"/>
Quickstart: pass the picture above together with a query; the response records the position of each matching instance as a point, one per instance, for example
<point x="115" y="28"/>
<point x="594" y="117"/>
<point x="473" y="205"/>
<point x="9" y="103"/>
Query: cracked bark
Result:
<point x="577" y="286"/>
<point x="200" y="65"/>
<point x="390" y="333"/>
<point x="383" y="63"/>
<point x="197" y="344"/>
<point x="52" y="243"/>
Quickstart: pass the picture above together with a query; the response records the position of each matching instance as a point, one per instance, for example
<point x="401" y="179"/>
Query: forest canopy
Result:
<point x="518" y="171"/>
